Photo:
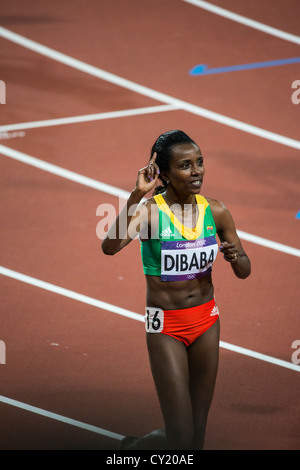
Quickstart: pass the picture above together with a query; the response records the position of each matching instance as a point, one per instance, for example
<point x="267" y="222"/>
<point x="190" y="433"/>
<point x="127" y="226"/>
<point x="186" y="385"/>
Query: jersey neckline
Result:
<point x="187" y="232"/>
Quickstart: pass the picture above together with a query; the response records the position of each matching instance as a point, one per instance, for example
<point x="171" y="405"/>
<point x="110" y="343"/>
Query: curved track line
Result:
<point x="135" y="316"/>
<point x="114" y="191"/>
<point x="145" y="91"/>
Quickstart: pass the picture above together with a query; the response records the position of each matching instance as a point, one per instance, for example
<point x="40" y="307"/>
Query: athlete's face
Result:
<point x="186" y="169"/>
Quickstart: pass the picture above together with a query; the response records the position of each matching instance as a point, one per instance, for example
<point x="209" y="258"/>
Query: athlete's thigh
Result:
<point x="170" y="370"/>
<point x="203" y="357"/>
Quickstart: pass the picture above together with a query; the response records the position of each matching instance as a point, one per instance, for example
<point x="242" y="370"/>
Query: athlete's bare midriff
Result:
<point x="178" y="294"/>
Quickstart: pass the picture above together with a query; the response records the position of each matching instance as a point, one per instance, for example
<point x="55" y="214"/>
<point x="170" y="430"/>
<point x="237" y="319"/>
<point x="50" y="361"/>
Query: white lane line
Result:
<point x="87" y="118"/>
<point x="114" y="191"/>
<point x="70" y="294"/>
<point x="245" y="21"/>
<point x="145" y="91"/>
<point x="257" y="355"/>
<point x="56" y="170"/>
<point x="134" y="316"/>
<point x="57" y="417"/>
<point x="268" y="243"/>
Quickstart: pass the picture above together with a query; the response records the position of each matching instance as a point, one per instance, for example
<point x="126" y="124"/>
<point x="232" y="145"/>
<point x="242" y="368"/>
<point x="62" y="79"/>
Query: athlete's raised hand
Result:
<point x="147" y="176"/>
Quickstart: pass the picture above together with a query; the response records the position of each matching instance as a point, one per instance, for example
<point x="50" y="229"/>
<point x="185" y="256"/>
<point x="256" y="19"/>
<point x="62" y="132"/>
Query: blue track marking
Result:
<point x="202" y="69"/>
<point x="298" y="215"/>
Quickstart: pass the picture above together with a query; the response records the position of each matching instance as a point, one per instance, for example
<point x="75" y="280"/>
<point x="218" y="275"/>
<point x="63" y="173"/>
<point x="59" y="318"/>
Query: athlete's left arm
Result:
<point x="231" y="246"/>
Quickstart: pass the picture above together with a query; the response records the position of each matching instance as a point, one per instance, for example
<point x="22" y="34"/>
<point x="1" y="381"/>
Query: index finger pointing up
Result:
<point x="154" y="156"/>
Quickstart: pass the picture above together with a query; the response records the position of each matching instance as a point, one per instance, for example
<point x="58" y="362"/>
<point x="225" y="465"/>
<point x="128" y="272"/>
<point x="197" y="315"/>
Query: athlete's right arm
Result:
<point x="134" y="218"/>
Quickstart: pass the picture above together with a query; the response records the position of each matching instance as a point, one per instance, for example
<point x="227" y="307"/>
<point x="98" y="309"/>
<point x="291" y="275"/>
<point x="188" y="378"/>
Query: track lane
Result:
<point x="59" y="222"/>
<point x="248" y="414"/>
<point x="249" y="96"/>
<point x="229" y="156"/>
<point x="54" y="350"/>
<point x="276" y="14"/>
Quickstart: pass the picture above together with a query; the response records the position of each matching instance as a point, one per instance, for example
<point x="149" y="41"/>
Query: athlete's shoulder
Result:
<point x="215" y="205"/>
<point x="222" y="217"/>
<point x="218" y="209"/>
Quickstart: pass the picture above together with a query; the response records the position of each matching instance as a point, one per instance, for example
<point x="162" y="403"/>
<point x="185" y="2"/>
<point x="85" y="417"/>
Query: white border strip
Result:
<point x="245" y="21"/>
<point x="127" y="313"/>
<point x="114" y="191"/>
<point x="57" y="417"/>
<point x="145" y="91"/>
<point x="88" y="118"/>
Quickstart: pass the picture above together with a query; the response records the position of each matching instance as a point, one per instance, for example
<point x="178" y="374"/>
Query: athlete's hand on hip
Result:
<point x="147" y="176"/>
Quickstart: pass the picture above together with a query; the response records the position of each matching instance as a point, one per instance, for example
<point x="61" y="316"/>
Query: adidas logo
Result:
<point x="166" y="233"/>
<point x="215" y="311"/>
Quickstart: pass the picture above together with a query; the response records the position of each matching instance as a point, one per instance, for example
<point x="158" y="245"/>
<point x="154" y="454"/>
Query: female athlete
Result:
<point x="177" y="228"/>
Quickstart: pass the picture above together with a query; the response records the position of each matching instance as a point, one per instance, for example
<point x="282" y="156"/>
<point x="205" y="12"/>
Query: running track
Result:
<point x="89" y="86"/>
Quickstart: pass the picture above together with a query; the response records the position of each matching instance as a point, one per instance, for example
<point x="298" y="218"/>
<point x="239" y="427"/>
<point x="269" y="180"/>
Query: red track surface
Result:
<point x="89" y="364"/>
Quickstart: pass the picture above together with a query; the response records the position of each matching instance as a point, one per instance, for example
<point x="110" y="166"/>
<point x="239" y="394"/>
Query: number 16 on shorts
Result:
<point x="154" y="320"/>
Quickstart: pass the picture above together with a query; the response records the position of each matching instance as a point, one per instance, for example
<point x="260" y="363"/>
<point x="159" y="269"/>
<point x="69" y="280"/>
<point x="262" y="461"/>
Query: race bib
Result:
<point x="154" y="319"/>
<point x="187" y="259"/>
